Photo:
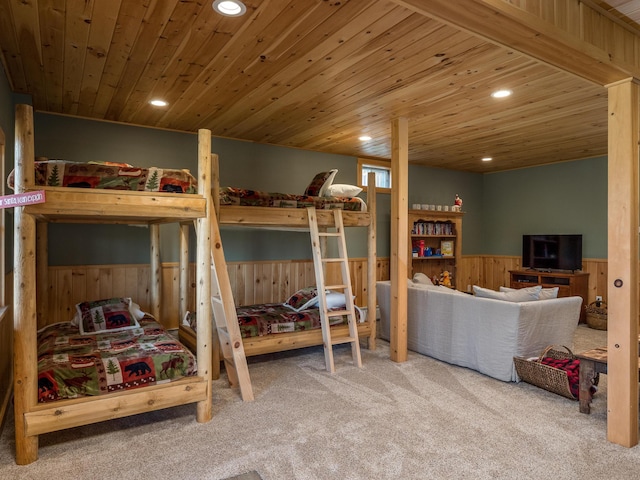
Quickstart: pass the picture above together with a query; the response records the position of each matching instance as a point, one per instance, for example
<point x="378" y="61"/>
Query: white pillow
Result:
<point x="335" y="300"/>
<point x="422" y="279"/>
<point x="342" y="190"/>
<point x="545" y="293"/>
<point x="519" y="295"/>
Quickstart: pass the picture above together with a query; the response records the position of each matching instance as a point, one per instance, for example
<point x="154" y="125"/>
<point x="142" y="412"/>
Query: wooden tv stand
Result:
<point x="569" y="284"/>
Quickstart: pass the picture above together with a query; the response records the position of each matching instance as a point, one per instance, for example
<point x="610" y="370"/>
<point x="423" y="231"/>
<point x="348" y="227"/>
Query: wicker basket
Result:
<point x="544" y="376"/>
<point x="597" y="315"/>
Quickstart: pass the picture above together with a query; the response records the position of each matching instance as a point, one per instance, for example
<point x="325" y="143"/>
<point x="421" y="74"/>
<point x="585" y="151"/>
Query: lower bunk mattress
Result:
<point x="272" y="318"/>
<point x="72" y="365"/>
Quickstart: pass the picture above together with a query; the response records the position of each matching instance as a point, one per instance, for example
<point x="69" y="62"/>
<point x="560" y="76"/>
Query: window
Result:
<point x="382" y="170"/>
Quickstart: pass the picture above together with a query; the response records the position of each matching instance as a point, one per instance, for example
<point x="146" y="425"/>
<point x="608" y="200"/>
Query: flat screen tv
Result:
<point x="552" y="252"/>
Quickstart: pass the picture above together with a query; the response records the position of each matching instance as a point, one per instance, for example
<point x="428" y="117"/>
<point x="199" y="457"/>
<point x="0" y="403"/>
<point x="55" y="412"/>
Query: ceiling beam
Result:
<point x="559" y="46"/>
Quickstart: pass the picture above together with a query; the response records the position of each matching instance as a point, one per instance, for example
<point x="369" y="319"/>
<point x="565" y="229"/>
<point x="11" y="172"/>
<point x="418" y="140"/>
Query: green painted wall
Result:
<point x="569" y="197"/>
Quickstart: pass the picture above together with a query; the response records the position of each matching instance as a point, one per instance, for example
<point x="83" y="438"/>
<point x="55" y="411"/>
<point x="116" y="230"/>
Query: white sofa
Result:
<point x="481" y="333"/>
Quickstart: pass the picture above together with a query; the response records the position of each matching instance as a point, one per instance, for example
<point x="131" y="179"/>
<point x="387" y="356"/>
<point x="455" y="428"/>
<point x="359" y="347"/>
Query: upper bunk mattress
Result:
<point x="254" y="198"/>
<point x="120" y="176"/>
<point x="72" y="365"/>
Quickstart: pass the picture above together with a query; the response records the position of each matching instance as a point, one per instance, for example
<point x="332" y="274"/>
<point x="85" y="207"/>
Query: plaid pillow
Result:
<point x="108" y="315"/>
<point x="304" y="298"/>
<point x="320" y="183"/>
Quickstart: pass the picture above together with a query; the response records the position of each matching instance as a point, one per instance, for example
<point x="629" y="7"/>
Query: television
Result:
<point x="552" y="252"/>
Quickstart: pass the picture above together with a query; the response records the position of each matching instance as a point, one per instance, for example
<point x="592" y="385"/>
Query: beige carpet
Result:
<point x="422" y="419"/>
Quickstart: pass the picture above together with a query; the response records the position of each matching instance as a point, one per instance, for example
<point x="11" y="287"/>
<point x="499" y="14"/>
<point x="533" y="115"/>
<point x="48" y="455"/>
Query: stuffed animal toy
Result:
<point x="445" y="279"/>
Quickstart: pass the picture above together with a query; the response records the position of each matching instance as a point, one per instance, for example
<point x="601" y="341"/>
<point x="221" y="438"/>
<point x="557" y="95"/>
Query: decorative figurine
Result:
<point x="445" y="279"/>
<point x="457" y="207"/>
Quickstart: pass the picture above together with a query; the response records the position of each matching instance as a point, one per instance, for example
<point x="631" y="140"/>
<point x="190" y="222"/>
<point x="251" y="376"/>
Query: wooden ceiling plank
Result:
<point x="180" y="26"/>
<point x="506" y="24"/>
<point x="77" y="25"/>
<point x="27" y="28"/>
<point x="147" y="38"/>
<point x="315" y="32"/>
<point x="244" y="45"/>
<point x="130" y="17"/>
<point x="11" y="58"/>
<point x="52" y="20"/>
<point x="298" y="83"/>
<point x="346" y="81"/>
<point x="99" y="40"/>
<point x="369" y="95"/>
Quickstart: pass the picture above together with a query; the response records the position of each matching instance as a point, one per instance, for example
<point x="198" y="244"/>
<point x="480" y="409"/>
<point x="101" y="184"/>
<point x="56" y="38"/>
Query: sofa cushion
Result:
<point x="545" y="293"/>
<point x="518" y="295"/>
<point x="422" y="279"/>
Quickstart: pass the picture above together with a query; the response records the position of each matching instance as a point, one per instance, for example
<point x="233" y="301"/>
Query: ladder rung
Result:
<point x="339" y="313"/>
<point x="329" y="234"/>
<point x="340" y="340"/>
<point x="334" y="260"/>
<point x="335" y="287"/>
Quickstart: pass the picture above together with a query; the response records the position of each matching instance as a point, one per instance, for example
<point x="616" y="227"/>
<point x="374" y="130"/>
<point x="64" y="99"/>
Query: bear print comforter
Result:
<point x="72" y="365"/>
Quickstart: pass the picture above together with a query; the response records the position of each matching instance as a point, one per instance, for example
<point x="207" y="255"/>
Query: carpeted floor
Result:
<point x="421" y="419"/>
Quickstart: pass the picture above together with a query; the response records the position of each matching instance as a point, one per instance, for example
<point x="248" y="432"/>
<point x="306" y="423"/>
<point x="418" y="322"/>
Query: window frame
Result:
<point x="375" y="163"/>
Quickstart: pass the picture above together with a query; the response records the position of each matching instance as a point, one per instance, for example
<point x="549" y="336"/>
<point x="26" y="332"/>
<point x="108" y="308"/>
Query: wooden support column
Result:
<point x="42" y="272"/>
<point x="156" y="274"/>
<point x="372" y="258"/>
<point x="184" y="270"/>
<point x="399" y="238"/>
<point x="622" y="290"/>
<point x="204" y="409"/>
<point x="25" y="358"/>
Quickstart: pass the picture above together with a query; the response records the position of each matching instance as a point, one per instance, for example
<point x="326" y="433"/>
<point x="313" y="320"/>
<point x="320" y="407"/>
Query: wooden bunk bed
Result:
<point x="296" y="219"/>
<point x="74" y="205"/>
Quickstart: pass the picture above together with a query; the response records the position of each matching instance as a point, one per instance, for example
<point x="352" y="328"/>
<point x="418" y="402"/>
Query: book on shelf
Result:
<point x="446" y="248"/>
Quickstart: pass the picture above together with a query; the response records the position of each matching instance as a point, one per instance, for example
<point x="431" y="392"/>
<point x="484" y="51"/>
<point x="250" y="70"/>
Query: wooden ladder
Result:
<point x="226" y="317"/>
<point x="320" y="265"/>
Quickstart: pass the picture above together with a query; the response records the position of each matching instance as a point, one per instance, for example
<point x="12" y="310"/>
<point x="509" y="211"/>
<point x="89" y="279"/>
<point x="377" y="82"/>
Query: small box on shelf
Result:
<point x="446" y="248"/>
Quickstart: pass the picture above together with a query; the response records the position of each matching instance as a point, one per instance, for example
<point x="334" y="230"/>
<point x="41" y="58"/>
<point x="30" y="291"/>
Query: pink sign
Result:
<point x="22" y="199"/>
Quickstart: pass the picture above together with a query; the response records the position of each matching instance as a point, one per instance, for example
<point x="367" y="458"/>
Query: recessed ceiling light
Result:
<point x="229" y="8"/>
<point x="158" y="103"/>
<point x="364" y="138"/>
<point x="486" y="159"/>
<point x="501" y="93"/>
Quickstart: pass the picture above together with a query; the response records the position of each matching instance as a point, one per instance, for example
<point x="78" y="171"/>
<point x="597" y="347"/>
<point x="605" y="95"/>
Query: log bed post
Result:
<point x="42" y="272"/>
<point x="372" y="258"/>
<point x="203" y="275"/>
<point x="25" y="361"/>
<point x="156" y="274"/>
<point x="184" y="271"/>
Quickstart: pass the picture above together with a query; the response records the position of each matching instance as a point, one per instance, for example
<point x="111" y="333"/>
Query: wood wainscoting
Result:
<point x="262" y="282"/>
<point x="252" y="283"/>
<point x="492" y="271"/>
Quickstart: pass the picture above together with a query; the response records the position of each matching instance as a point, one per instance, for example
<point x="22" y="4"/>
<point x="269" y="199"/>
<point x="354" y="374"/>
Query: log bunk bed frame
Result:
<point x="292" y="219"/>
<point x="72" y="205"/>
